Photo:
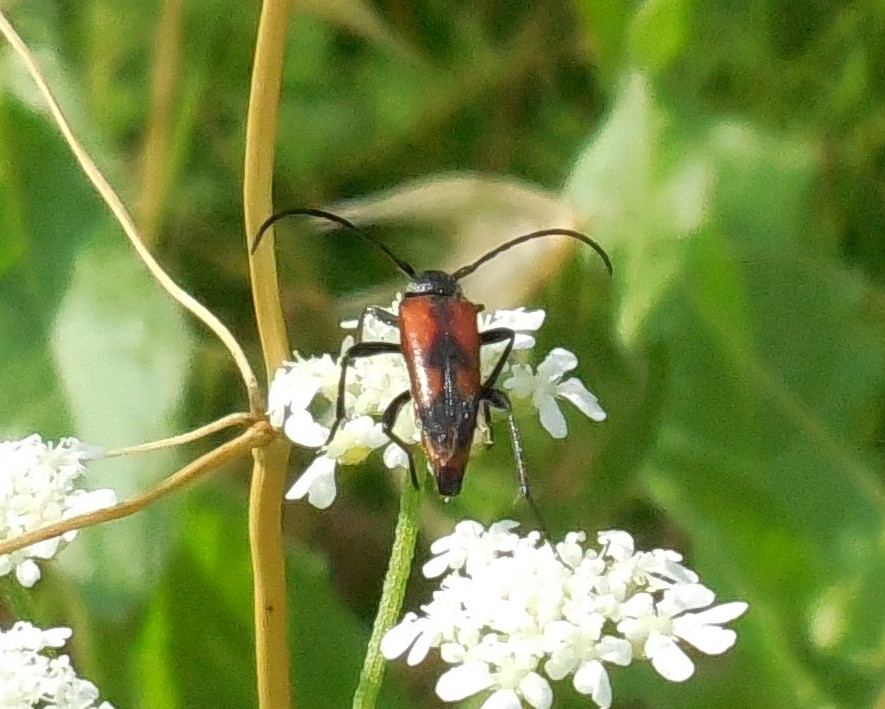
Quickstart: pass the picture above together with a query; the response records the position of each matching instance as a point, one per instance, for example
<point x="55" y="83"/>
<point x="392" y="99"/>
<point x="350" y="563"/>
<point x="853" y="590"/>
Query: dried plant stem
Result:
<point x="155" y="158"/>
<point x="269" y="470"/>
<point x="258" y="435"/>
<point x="114" y="203"/>
<point x="240" y="419"/>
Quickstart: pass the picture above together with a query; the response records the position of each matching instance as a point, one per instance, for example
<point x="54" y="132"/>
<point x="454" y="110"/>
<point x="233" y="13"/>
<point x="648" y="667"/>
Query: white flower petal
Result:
<point x="56" y="637"/>
<point x="575" y="391"/>
<point x="551" y="418"/>
<point x="529" y="319"/>
<point x="723" y="613"/>
<point x="300" y="428"/>
<point x="709" y="639"/>
<point x="5" y="564"/>
<point x="45" y="549"/>
<point x="686" y="597"/>
<point x="317" y="482"/>
<point x="536" y="690"/>
<point x="618" y="544"/>
<point x="556" y="363"/>
<point x="395" y="457"/>
<point x="503" y="699"/>
<point x="301" y="391"/>
<point x="294" y="386"/>
<point x="664" y="564"/>
<point x="668" y="659"/>
<point x="615" y="650"/>
<point x="419" y="650"/>
<point x="86" y="502"/>
<point x="523" y="342"/>
<point x="435" y="567"/>
<point x="521" y="382"/>
<point x="463" y="681"/>
<point x="559" y="665"/>
<point x="591" y="678"/>
<point x="355" y="440"/>
<point x="519" y="320"/>
<point x="400" y="637"/>
<point x="375" y="438"/>
<point x="27" y="573"/>
<point x="93" y="500"/>
<point x="526" y="319"/>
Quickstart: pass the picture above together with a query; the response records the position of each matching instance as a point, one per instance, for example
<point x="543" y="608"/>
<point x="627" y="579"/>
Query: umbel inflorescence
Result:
<point x="39" y="484"/>
<point x="510" y="617"/>
<point x="303" y="394"/>
<point x="34" y="674"/>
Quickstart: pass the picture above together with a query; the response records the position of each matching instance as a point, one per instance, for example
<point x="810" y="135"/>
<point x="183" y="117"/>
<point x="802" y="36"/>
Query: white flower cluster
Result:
<point x="29" y="678"/>
<point x="304" y="391"/>
<point x="37" y="487"/>
<point x="510" y="612"/>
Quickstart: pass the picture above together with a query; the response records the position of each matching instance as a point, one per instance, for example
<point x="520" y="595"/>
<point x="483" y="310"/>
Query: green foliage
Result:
<point x="729" y="158"/>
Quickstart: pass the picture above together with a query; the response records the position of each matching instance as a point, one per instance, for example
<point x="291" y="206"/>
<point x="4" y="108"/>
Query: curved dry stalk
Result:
<point x="238" y="419"/>
<point x="269" y="470"/>
<point x="116" y="206"/>
<point x="261" y="131"/>
<point x="258" y="435"/>
<point x="155" y="153"/>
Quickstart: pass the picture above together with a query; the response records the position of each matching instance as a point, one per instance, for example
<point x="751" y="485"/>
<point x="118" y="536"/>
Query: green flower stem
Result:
<point x="391" y="597"/>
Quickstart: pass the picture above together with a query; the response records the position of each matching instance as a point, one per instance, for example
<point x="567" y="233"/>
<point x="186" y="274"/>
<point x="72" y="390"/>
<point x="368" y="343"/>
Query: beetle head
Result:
<point x="434" y="283"/>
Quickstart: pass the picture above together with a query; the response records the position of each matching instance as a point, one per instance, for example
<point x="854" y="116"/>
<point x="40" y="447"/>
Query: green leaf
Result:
<point x="122" y="353"/>
<point x="196" y="647"/>
<point x="607" y="24"/>
<point x="47" y="211"/>
<point x="659" y="32"/>
<point x="641" y="197"/>
<point x="762" y="451"/>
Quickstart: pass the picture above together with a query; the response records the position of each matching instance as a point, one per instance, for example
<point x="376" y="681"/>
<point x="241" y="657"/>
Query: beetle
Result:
<point x="440" y="341"/>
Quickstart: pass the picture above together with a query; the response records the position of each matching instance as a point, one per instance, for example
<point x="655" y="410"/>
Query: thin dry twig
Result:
<point x="155" y="158"/>
<point x="116" y="206"/>
<point x="258" y="435"/>
<point x="238" y="419"/>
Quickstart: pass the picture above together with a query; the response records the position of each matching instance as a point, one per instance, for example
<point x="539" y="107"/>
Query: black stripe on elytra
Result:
<point x="443" y="411"/>
<point x="445" y="349"/>
<point x="446" y="352"/>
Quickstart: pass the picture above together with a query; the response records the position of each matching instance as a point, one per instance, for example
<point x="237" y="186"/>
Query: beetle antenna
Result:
<point x="467" y="270"/>
<point x="340" y="221"/>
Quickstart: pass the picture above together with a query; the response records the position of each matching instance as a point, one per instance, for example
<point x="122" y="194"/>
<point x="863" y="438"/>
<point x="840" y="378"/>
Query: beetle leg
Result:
<point x="500" y="400"/>
<point x="360" y="349"/>
<point x="388" y="419"/>
<point x="489" y="437"/>
<point x="492" y="337"/>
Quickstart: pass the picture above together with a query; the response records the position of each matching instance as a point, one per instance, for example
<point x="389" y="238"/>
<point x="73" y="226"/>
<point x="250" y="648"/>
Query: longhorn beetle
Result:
<point x="440" y="342"/>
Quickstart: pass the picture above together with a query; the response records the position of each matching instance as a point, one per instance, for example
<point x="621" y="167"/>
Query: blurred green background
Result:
<point x="729" y="156"/>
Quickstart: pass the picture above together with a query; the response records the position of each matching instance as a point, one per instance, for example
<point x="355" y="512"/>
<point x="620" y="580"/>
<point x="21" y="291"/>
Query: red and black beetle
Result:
<point x="440" y="341"/>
